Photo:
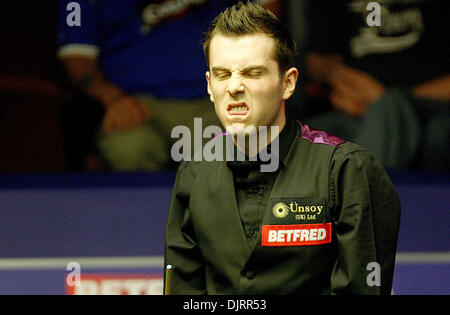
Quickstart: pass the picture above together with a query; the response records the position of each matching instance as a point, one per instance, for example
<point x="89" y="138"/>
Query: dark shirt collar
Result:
<point x="285" y="139"/>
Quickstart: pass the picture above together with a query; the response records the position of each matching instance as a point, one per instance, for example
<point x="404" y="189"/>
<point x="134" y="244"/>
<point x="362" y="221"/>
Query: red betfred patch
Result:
<point x="296" y="234"/>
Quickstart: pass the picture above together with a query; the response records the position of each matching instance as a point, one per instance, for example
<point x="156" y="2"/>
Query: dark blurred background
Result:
<point x="46" y="126"/>
<point x="31" y="94"/>
<point x="38" y="109"/>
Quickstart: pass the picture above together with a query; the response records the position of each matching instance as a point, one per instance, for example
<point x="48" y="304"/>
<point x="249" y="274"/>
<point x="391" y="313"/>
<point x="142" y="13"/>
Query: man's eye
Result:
<point x="254" y="74"/>
<point x="222" y="75"/>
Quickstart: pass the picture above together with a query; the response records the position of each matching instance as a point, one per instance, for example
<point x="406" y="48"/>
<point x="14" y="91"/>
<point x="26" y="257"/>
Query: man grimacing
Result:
<point x="313" y="225"/>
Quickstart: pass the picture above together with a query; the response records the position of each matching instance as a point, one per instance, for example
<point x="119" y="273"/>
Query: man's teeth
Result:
<point x="238" y="109"/>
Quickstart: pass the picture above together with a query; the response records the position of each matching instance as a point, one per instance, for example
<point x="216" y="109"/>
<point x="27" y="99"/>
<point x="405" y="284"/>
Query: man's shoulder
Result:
<point x="338" y="148"/>
<point x="192" y="169"/>
<point x="316" y="136"/>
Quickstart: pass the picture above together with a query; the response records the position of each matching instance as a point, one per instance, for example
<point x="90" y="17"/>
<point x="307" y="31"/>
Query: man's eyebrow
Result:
<point x="249" y="68"/>
<point x="215" y="69"/>
<point x="254" y="67"/>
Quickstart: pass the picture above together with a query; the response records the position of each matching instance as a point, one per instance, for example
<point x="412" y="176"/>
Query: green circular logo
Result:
<point x="280" y="210"/>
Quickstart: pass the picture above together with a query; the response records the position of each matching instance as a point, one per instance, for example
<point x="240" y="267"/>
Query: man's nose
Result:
<point x="235" y="85"/>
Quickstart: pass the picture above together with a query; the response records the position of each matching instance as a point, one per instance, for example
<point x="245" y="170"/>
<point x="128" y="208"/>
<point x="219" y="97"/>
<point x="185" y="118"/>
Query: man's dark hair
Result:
<point x="242" y="19"/>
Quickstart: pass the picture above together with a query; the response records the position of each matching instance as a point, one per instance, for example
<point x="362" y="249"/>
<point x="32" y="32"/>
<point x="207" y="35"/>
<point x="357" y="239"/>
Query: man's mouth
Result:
<point x="239" y="109"/>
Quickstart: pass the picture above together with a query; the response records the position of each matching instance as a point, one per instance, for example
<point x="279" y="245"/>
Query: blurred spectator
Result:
<point x="143" y="62"/>
<point x="385" y="68"/>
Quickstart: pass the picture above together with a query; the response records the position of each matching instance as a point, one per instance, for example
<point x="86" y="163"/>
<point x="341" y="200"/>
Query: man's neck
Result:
<point x="254" y="142"/>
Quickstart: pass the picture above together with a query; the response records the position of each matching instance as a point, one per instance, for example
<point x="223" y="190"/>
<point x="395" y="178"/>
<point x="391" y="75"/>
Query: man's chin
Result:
<point x="240" y="129"/>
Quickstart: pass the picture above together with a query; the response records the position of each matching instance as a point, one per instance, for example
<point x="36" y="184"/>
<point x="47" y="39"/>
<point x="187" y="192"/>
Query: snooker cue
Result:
<point x="168" y="286"/>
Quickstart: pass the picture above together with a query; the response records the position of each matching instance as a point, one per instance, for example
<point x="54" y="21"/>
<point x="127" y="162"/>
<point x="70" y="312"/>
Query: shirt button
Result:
<point x="253" y="190"/>
<point x="251" y="231"/>
<point x="249" y="274"/>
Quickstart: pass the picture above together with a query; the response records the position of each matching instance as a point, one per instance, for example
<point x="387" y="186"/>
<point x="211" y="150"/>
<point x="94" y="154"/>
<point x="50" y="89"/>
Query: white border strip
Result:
<point x="423" y="258"/>
<point x="85" y="262"/>
<point x="158" y="261"/>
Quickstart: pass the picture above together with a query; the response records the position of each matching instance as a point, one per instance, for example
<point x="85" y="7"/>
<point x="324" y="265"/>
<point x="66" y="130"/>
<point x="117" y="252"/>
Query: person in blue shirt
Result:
<point x="142" y="61"/>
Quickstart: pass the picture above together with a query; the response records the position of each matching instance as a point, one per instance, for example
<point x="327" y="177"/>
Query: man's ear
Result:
<point x="290" y="81"/>
<point x="208" y="80"/>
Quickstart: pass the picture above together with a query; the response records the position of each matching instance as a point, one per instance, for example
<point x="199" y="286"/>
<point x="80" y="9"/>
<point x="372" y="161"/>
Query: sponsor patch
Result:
<point x="296" y="234"/>
<point x="299" y="211"/>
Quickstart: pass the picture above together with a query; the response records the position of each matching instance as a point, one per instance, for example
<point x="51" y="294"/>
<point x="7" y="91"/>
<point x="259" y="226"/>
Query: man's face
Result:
<point x="245" y="84"/>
